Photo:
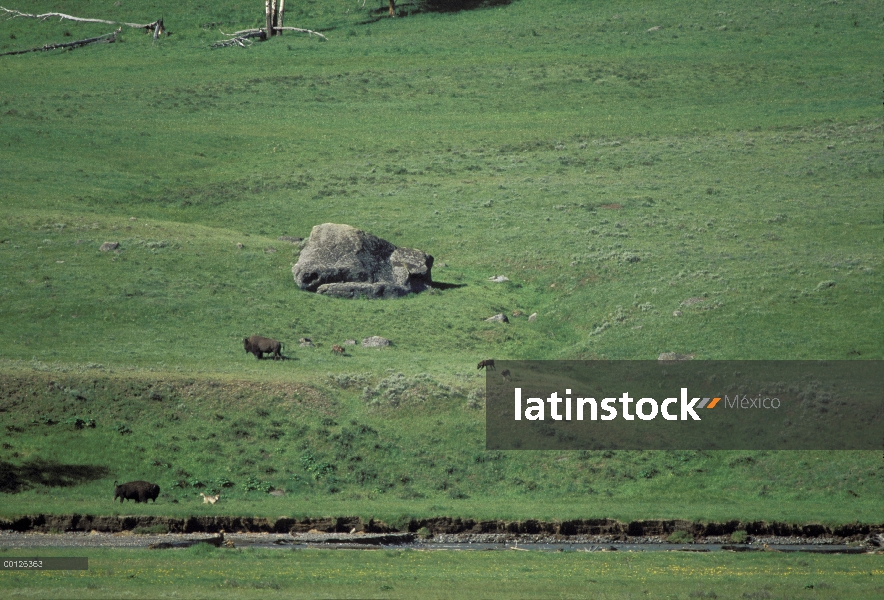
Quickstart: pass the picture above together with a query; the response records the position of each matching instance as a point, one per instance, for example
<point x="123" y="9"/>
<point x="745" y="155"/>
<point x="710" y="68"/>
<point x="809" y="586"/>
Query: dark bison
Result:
<point x="486" y="364"/>
<point x="258" y="345"/>
<point x="140" y="491"/>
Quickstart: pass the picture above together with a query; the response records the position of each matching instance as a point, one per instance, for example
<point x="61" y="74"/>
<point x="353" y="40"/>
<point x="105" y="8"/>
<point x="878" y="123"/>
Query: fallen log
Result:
<point x="240" y="38"/>
<point x="244" y="38"/>
<point x="299" y="30"/>
<point x="108" y="38"/>
<point x="156" y="26"/>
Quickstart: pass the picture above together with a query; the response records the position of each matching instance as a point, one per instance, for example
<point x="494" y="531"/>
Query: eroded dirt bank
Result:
<point x="436" y="525"/>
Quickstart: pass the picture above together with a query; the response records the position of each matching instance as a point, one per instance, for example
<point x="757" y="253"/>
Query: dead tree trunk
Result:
<point x="268" y="18"/>
<point x="392" y="8"/>
<point x="274" y="12"/>
<point x="108" y="38"/>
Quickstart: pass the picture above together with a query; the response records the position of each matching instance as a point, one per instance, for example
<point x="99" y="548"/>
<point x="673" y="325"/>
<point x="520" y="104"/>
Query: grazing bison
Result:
<point x="338" y="349"/>
<point x="140" y="491"/>
<point x="486" y="364"/>
<point x="258" y="345"/>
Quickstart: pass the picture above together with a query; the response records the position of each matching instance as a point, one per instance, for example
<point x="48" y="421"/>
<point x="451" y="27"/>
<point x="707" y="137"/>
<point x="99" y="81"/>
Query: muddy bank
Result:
<point x="610" y="528"/>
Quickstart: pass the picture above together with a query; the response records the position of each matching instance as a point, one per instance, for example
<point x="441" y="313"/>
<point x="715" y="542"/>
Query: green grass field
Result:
<point x="203" y="572"/>
<point x="612" y="159"/>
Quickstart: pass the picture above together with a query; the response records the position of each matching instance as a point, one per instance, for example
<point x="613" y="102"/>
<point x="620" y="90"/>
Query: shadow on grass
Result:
<point x="456" y="5"/>
<point x="447" y="286"/>
<point x="18" y="478"/>
<point x="404" y="9"/>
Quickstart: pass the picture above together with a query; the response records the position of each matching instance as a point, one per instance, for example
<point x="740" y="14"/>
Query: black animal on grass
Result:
<point x="486" y="364"/>
<point x="140" y="491"/>
<point x="258" y="345"/>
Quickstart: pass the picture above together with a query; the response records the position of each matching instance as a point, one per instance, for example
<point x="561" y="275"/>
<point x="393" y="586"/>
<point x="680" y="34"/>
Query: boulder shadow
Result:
<point x="18" y="478"/>
<point x="438" y="285"/>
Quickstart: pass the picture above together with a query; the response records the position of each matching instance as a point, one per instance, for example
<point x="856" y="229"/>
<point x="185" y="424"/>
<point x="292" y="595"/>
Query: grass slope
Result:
<point x="610" y="170"/>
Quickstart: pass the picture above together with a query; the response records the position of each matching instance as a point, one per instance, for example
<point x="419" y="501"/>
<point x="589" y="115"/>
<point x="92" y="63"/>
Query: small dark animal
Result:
<point x="505" y="374"/>
<point x="258" y="345"/>
<point x="140" y="491"/>
<point x="338" y="350"/>
<point x="486" y="364"/>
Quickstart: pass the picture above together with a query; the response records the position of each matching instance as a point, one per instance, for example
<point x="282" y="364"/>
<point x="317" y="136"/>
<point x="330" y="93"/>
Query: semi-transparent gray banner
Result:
<point x="52" y="563"/>
<point x="685" y="405"/>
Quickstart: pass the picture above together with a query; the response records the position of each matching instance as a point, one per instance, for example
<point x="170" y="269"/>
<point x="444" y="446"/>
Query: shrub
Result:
<point x="253" y="483"/>
<point x="81" y="423"/>
<point x="739" y="537"/>
<point x="680" y="537"/>
<point x="153" y="529"/>
<point x="122" y="429"/>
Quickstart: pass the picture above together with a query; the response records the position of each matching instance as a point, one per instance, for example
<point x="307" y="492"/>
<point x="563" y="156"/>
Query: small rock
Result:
<point x="277" y="493"/>
<point x="499" y="317"/>
<point x="108" y="246"/>
<point x="239" y="245"/>
<point x="676" y="313"/>
<point x="375" y="342"/>
<point x="655" y="28"/>
<point x="307" y="344"/>
<point x="133" y="219"/>
<point x="690" y="301"/>
<point x="349" y="342"/>
<point x="518" y="313"/>
<point x="674" y="357"/>
<point x="533" y="317"/>
<point x="304" y="339"/>
<point x="498" y="279"/>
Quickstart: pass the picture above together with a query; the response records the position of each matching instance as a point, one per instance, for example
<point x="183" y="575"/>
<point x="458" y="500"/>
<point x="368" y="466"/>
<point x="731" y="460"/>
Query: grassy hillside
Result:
<point x="613" y="160"/>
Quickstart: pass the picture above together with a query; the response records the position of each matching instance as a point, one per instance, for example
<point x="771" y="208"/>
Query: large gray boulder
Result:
<point x="339" y="260"/>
